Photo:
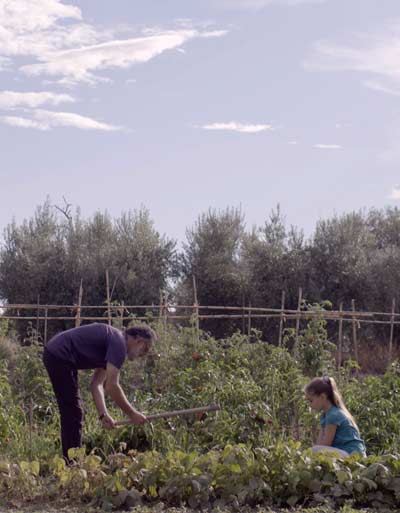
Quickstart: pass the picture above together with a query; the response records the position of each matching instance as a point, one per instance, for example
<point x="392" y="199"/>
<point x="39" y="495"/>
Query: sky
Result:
<point x="184" y="105"/>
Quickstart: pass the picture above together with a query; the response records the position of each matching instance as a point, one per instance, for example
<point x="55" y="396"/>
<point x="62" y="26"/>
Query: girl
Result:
<point x="339" y="431"/>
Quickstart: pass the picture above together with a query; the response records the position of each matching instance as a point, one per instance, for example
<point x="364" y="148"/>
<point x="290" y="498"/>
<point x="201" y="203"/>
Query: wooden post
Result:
<point x="281" y="319"/>
<point x="160" y="312"/>
<point x="298" y="315"/>
<point x="37" y="317"/>
<point x="45" y="326"/>
<point x="78" y="309"/>
<point x="354" y="323"/>
<point x="165" y="318"/>
<point x="391" y="331"/>
<point x="196" y="307"/>
<point x="108" y="297"/>
<point x="340" y="337"/>
<point x="122" y="313"/>
<point x="243" y="319"/>
<point x="249" y="323"/>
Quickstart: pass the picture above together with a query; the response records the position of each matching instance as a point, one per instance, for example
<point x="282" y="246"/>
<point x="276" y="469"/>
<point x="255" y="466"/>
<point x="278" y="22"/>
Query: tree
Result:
<point x="212" y="254"/>
<point x="274" y="259"/>
<point x="47" y="256"/>
<point x="342" y="249"/>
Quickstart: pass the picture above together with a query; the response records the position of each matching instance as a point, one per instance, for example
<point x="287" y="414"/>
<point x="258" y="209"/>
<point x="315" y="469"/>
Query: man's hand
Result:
<point x="108" y="422"/>
<point x="138" y="418"/>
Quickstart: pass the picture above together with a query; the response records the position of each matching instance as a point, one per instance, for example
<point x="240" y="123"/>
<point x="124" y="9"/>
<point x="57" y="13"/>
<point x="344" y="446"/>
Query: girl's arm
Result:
<point x="320" y="436"/>
<point x="327" y="435"/>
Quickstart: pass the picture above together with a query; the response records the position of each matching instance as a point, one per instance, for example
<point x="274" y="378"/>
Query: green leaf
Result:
<point x="342" y="476"/>
<point x="371" y="484"/>
<point x="314" y="485"/>
<point x="292" y="500"/>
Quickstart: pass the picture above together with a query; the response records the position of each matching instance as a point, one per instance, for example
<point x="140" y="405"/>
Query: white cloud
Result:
<point x="35" y="27"/>
<point x="212" y="33"/>
<point x="46" y="120"/>
<point x="30" y="15"/>
<point x="259" y="4"/>
<point x="5" y="63"/>
<point x="77" y="65"/>
<point x="13" y="99"/>
<point x="374" y="54"/>
<point x="59" y="43"/>
<point x="377" y="86"/>
<point x="395" y="193"/>
<point x="238" y="127"/>
<point x="22" y="122"/>
<point x="327" y="146"/>
<point x="293" y="143"/>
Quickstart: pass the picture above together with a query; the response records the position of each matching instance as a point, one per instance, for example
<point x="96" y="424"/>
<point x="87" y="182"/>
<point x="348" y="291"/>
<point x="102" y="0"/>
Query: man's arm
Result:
<point x="115" y="392"/>
<point x="97" y="389"/>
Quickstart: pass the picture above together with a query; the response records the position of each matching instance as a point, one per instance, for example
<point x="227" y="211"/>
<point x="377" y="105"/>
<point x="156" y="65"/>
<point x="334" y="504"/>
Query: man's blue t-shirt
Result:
<point x="347" y="437"/>
<point x="90" y="346"/>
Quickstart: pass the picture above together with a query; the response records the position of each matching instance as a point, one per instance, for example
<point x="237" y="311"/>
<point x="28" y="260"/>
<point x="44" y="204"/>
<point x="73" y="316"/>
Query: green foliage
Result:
<point x="47" y="256"/>
<point x="311" y="348"/>
<point x="236" y="476"/>
<point x="212" y="254"/>
<point x="243" y="455"/>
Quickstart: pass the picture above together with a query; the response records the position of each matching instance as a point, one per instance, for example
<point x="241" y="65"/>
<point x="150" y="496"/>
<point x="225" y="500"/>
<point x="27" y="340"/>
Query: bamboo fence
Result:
<point x="165" y="312"/>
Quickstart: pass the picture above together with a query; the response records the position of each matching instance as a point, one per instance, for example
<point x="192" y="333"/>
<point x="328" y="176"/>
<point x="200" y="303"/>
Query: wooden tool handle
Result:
<point x="175" y="413"/>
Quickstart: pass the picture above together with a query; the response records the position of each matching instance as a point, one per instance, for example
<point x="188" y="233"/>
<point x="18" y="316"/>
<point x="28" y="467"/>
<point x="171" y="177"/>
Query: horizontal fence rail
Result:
<point x="168" y="311"/>
<point x="165" y="311"/>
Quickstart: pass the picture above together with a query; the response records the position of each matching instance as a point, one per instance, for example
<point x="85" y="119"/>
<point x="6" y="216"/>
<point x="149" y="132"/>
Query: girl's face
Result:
<point x="316" y="402"/>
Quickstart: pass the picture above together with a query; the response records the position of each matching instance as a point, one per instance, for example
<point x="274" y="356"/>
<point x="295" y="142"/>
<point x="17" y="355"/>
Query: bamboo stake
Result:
<point x="249" y="323"/>
<point x="37" y="317"/>
<point x="160" y="312"/>
<point x="122" y="311"/>
<point x="392" y="330"/>
<point x="175" y="413"/>
<point x="196" y="308"/>
<point x="165" y="318"/>
<point x="78" y="310"/>
<point x="243" y="319"/>
<point x="340" y="341"/>
<point x="108" y="297"/>
<point x="282" y="317"/>
<point x="298" y="314"/>
<point x="45" y="327"/>
<point x="355" y="341"/>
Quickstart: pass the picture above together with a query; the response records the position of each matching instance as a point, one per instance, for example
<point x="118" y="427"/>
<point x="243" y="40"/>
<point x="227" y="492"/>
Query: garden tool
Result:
<point x="175" y="413"/>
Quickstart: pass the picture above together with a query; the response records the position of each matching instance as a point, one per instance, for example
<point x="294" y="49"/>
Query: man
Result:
<point x="94" y="346"/>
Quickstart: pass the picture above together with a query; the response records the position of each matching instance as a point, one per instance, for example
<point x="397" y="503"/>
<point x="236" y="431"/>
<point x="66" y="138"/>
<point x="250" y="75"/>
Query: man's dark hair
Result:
<point x="143" y="331"/>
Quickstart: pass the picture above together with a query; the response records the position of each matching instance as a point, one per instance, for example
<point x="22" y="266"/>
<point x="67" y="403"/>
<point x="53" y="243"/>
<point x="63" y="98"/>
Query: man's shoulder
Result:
<point x="114" y="333"/>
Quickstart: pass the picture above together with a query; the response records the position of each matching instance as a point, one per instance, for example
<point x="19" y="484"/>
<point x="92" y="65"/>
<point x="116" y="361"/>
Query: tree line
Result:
<point x="352" y="256"/>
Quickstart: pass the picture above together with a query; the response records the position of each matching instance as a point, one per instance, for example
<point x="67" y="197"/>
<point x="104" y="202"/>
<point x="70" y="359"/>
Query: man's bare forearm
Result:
<point x="98" y="398"/>
<point x="115" y="392"/>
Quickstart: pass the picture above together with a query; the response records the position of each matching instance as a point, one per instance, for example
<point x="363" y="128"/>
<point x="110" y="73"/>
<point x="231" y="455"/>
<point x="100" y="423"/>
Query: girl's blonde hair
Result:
<point x="327" y="386"/>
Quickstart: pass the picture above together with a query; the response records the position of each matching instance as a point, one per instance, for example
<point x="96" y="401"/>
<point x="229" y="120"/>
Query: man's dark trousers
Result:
<point x="64" y="379"/>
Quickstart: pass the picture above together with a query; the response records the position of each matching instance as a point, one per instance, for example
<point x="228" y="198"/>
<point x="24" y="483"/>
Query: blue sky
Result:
<point x="182" y="105"/>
